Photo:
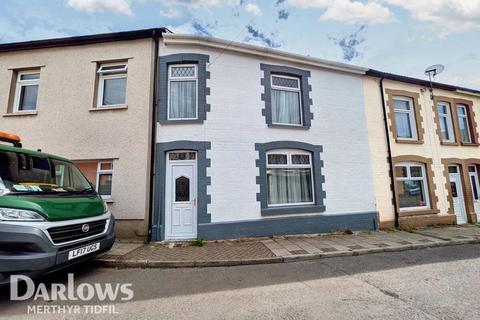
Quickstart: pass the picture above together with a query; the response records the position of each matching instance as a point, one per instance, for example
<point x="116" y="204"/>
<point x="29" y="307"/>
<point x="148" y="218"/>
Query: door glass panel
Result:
<point x="453" y="185"/>
<point x="474" y="187"/>
<point x="182" y="189"/>
<point x="181" y="156"/>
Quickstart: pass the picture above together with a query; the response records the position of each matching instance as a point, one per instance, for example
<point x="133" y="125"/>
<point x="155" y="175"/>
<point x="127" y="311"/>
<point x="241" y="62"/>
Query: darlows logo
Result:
<point x="69" y="292"/>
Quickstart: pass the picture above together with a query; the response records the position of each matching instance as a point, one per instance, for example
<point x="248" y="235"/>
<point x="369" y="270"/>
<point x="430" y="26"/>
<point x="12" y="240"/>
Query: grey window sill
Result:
<point x="20" y="114"/>
<point x="273" y="211"/>
<point x="287" y="126"/>
<point x="106" y="108"/>
<point x="193" y="121"/>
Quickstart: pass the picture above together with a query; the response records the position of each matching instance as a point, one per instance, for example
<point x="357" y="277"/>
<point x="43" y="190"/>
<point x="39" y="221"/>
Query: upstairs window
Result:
<point x="289" y="178"/>
<point x="446" y="123"/>
<point x="405" y="118"/>
<point x="26" y="91"/>
<point x="286" y="100"/>
<point x="182" y="92"/>
<point x="412" y="186"/>
<point x="463" y="122"/>
<point x="112" y="84"/>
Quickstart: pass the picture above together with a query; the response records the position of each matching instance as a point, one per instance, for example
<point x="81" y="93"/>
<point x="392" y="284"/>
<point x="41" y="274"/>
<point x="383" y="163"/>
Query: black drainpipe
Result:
<point x="389" y="151"/>
<point x="156" y="35"/>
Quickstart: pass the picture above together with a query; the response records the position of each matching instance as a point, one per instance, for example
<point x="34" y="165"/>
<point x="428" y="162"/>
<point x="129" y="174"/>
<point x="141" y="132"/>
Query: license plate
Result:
<point x="83" y="250"/>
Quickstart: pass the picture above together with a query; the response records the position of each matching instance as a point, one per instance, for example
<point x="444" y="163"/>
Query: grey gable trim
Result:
<point x="162" y="100"/>
<point x="158" y="229"/>
<point x="358" y="221"/>
<point x="268" y="69"/>
<point x="319" y="179"/>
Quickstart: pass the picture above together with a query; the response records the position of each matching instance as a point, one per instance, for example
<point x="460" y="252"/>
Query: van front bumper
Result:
<point x="28" y="250"/>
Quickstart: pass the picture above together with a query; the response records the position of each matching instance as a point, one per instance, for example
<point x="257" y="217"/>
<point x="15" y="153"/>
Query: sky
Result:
<point x="398" y="36"/>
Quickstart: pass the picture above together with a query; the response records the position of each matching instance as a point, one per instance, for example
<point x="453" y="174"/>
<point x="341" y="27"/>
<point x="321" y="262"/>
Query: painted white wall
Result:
<point x="235" y="123"/>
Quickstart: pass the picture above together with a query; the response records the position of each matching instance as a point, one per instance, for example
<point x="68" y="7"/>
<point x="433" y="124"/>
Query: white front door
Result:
<point x="181" y="196"/>
<point x="473" y="174"/>
<point x="457" y="194"/>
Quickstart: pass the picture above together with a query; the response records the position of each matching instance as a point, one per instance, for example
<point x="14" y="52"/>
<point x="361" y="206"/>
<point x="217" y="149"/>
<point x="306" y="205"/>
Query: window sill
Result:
<point x="273" y="211"/>
<point x="420" y="212"/>
<point x="168" y="122"/>
<point x="108" y="199"/>
<point x="443" y="143"/>
<point x="287" y="126"/>
<point x="409" y="141"/>
<point x="20" y="114"/>
<point x="470" y="144"/>
<point x="106" y="108"/>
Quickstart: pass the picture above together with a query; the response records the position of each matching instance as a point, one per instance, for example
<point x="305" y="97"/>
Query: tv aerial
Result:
<point x="432" y="72"/>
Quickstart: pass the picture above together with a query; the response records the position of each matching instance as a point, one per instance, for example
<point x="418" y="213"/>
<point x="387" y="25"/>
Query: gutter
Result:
<point x="224" y="45"/>
<point x="389" y="151"/>
<point x="155" y="38"/>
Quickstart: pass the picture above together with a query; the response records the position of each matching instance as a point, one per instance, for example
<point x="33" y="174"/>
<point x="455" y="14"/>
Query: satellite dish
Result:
<point x="432" y="71"/>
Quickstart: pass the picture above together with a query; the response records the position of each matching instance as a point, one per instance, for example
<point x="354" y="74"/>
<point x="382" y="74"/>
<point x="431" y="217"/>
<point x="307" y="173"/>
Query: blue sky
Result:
<point x="399" y="36"/>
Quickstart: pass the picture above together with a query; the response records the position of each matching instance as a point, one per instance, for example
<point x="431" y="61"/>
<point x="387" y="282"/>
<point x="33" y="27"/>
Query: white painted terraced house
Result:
<point x="256" y="142"/>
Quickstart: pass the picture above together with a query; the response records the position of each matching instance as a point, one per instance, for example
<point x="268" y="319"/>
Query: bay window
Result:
<point x="289" y="178"/>
<point x="412" y="186"/>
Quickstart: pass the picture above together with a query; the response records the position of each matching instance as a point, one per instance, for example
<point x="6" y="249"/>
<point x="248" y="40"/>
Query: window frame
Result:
<point x="449" y="120"/>
<point x="169" y="80"/>
<point x="110" y="74"/>
<point x="104" y="172"/>
<point x="466" y="116"/>
<point x="289" y="165"/>
<point x="411" y="116"/>
<point x="280" y="88"/>
<point x="24" y="83"/>
<point x="424" y="179"/>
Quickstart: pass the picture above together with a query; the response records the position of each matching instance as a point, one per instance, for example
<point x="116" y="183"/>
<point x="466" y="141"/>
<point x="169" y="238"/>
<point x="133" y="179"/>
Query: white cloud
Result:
<point x="309" y="3"/>
<point x="90" y="6"/>
<point x="357" y="12"/>
<point x="444" y="15"/>
<point x="194" y="4"/>
<point x="171" y="13"/>
<point x="253" y="8"/>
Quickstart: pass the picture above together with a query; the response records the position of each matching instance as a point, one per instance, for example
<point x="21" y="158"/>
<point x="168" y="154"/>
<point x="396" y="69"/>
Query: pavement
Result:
<point x="127" y="254"/>
<point x="433" y="283"/>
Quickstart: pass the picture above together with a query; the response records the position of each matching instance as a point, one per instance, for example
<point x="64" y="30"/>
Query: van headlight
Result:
<point x="105" y="207"/>
<point x="8" y="214"/>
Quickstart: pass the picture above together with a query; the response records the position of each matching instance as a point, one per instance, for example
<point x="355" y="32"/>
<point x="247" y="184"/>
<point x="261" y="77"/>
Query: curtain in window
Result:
<point x="285" y="107"/>
<point x="28" y="98"/>
<point x="182" y="99"/>
<point x="289" y="186"/>
<point x="114" y="91"/>
<point x="464" y="129"/>
<point x="402" y="121"/>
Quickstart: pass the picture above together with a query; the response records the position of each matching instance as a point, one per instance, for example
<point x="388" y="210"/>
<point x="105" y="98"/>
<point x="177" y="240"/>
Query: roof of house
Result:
<point x="426" y="83"/>
<point x="182" y="39"/>
<point x="83" y="40"/>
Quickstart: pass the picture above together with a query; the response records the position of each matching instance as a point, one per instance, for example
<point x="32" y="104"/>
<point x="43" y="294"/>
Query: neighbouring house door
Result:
<point x="457" y="194"/>
<point x="181" y="196"/>
<point x="473" y="174"/>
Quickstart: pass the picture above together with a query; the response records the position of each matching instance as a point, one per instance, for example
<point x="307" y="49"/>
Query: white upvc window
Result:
<point x="104" y="178"/>
<point x="286" y="100"/>
<point x="412" y="186"/>
<point x="112" y="84"/>
<point x="445" y="121"/>
<point x="463" y="122"/>
<point x="182" y="92"/>
<point x="289" y="178"/>
<point x="405" y="121"/>
<point x="26" y="91"/>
